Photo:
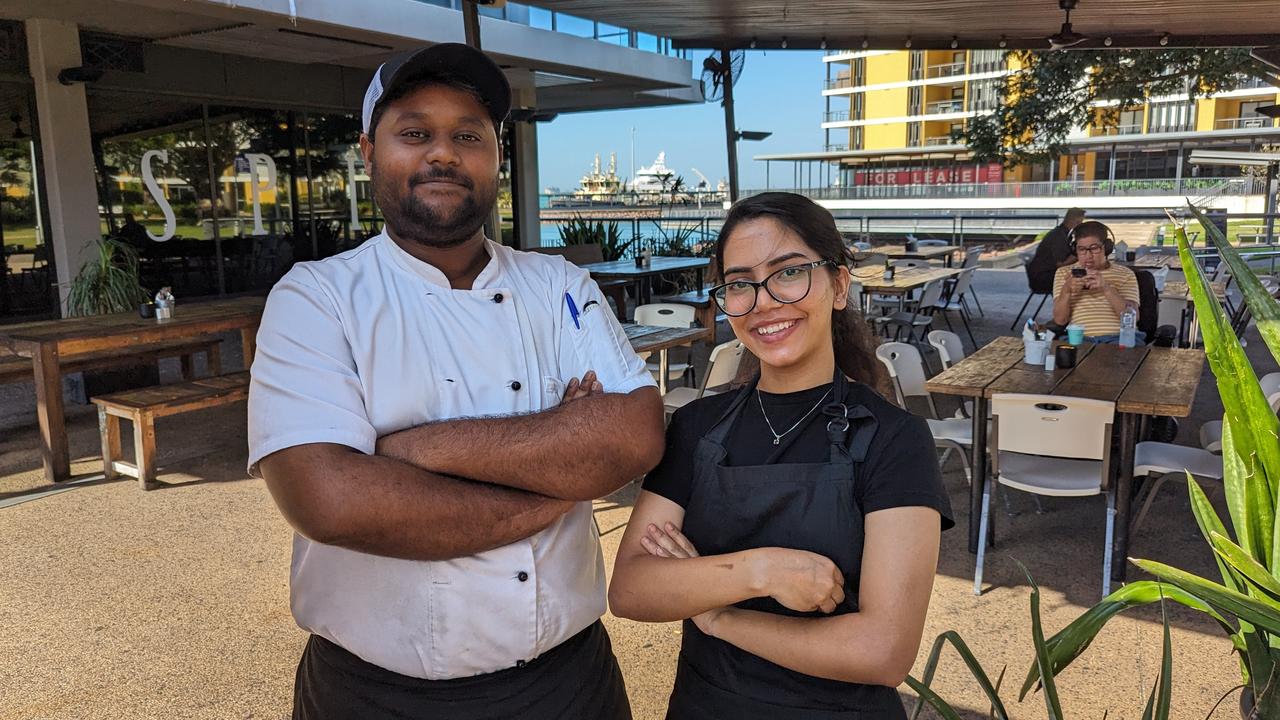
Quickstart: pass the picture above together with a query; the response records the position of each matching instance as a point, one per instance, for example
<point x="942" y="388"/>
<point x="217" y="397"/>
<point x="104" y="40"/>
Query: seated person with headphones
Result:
<point x="1094" y="292"/>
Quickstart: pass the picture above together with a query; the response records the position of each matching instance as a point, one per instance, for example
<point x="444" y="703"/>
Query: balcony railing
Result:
<point x="1126" y="129"/>
<point x="1196" y="187"/>
<point x="1248" y="82"/>
<point x="1239" y="123"/>
<point x="944" y="106"/>
<point x="939" y="140"/>
<point x="843" y="82"/>
<point x="836" y="147"/>
<point x="1179" y="127"/>
<point x="835" y="116"/>
<point x="945" y="70"/>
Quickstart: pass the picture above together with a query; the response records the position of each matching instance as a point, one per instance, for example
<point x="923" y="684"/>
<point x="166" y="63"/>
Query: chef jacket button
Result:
<point x="515" y="385"/>
<point x="520" y="663"/>
<point x="497" y="298"/>
<point x="522" y="576"/>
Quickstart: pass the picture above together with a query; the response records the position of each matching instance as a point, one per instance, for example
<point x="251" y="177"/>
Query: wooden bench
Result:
<point x="17" y="369"/>
<point x="145" y="405"/>
<point x="705" y="311"/>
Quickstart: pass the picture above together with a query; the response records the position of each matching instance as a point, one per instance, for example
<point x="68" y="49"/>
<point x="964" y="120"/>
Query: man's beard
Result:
<point x="411" y="218"/>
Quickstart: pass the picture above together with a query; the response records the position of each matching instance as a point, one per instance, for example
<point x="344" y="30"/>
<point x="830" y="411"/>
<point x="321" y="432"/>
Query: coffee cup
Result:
<point x="1065" y="356"/>
<point x="1075" y="334"/>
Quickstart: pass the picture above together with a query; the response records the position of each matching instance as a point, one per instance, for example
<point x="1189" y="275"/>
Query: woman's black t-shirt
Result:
<point x="900" y="470"/>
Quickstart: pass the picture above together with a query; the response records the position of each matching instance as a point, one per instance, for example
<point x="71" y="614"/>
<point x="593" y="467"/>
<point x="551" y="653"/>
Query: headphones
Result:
<point x="1090" y="229"/>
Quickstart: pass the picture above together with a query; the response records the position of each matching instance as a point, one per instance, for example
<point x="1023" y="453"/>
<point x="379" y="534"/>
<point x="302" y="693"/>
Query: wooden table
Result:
<point x="47" y="343"/>
<point x="904" y="280"/>
<point x="651" y="338"/>
<point x="923" y="252"/>
<point x="1140" y="381"/>
<point x="643" y="276"/>
<point x="1155" y="261"/>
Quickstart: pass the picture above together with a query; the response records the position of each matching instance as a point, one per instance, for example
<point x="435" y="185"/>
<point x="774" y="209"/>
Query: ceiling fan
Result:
<point x="1066" y="37"/>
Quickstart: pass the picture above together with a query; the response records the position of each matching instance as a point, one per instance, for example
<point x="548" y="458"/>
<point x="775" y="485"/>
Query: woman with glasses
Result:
<point x="793" y="524"/>
<point x="1094" y="292"/>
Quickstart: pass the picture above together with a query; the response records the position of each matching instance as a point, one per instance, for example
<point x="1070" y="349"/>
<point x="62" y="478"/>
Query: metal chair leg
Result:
<point x="982" y="538"/>
<point x="968" y="329"/>
<point x="1040" y="306"/>
<point x="1154" y="486"/>
<point x="977" y="302"/>
<point x="1018" y="317"/>
<point x="1106" y="552"/>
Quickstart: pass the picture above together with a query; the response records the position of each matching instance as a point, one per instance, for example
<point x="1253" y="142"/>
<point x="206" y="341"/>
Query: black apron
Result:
<point x="578" y="679"/>
<point x="803" y="506"/>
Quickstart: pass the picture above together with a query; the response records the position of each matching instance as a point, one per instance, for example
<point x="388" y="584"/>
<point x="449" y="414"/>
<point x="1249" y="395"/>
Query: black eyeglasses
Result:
<point x="789" y="285"/>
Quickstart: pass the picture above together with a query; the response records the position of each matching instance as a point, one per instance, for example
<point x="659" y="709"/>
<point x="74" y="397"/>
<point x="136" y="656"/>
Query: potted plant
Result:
<point x="109" y="283"/>
<point x="580" y="231"/>
<point x="1245" y="601"/>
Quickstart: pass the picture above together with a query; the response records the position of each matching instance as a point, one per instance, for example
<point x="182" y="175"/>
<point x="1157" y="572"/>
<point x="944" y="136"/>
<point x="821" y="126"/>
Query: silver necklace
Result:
<point x="777" y="437"/>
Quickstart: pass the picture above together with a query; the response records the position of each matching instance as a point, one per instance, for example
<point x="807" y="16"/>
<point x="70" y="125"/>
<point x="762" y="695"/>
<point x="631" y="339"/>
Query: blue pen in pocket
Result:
<point x="573" y="310"/>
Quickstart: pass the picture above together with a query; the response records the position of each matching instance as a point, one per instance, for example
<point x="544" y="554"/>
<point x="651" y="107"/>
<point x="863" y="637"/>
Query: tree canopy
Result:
<point x="1057" y="91"/>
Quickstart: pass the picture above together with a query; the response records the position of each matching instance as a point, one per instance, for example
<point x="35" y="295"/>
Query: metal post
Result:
<point x="471" y="23"/>
<point x="1177" y="175"/>
<point x="311" y="203"/>
<point x="214" y="197"/>
<point x="1111" y="173"/>
<point x="730" y="127"/>
<point x="1271" y="201"/>
<point x="295" y="213"/>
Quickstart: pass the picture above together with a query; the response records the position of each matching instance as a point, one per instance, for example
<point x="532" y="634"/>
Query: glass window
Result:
<point x="26" y="266"/>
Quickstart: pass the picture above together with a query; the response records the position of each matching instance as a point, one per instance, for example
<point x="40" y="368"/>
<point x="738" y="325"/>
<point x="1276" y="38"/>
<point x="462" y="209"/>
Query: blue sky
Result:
<point x="780" y="91"/>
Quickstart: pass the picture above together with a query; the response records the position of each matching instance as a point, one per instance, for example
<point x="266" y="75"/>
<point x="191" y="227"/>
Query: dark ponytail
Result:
<point x="851" y="339"/>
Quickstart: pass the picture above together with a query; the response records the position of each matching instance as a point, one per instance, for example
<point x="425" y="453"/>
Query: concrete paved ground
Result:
<point x="116" y="603"/>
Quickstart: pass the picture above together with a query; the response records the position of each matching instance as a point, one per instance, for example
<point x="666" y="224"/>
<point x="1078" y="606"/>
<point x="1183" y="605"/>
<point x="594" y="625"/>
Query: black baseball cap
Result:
<point x="453" y="59"/>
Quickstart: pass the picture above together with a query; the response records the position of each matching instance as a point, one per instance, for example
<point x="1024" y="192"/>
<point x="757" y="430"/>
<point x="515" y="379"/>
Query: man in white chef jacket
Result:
<point x="406" y="413"/>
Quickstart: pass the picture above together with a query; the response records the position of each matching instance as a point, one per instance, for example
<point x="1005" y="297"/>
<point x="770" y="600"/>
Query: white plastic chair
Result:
<point x="953" y="301"/>
<point x="721" y="370"/>
<point x="673" y="315"/>
<point x="906" y="370"/>
<point x="1050" y="445"/>
<point x="919" y="316"/>
<point x="856" y="297"/>
<point x="950" y="351"/>
<point x="949" y="346"/>
<point x="1161" y="461"/>
<point x="1211" y="432"/>
<point x="971" y="259"/>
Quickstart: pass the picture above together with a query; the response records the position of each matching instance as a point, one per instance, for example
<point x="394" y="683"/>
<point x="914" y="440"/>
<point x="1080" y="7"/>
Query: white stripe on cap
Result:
<point x="371" y="97"/>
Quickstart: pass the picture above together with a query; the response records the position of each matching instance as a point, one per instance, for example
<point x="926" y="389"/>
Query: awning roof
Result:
<point x="887" y="24"/>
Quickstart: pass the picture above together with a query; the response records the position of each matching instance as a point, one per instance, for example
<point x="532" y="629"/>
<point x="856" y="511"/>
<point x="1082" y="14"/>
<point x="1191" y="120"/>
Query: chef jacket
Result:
<point x="372" y="341"/>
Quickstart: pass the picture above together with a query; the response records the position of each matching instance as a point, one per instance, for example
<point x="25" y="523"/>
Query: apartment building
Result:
<point x="890" y="117"/>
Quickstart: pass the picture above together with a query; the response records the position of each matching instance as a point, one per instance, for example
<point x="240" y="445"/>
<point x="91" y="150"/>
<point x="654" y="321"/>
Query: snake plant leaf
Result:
<point x="1251" y="570"/>
<point x="1265" y="309"/>
<point x="1044" y="666"/>
<point x="1249" y="416"/>
<point x="935" y="701"/>
<point x="971" y="662"/>
<point x="1248" y="609"/>
<point x="1209" y="522"/>
<point x="1071" y="642"/>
